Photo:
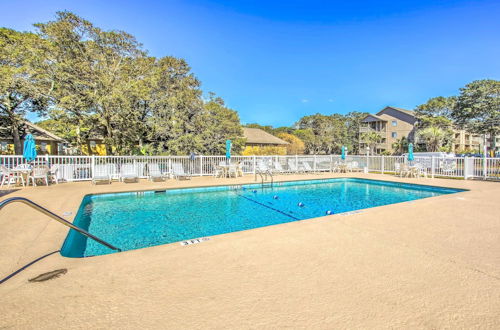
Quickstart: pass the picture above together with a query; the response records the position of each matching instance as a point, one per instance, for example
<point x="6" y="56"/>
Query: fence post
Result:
<point x="466" y="167"/>
<point x="433" y="167"/>
<point x="314" y="163"/>
<point x="485" y="167"/>
<point x="170" y="167"/>
<point x="297" y="163"/>
<point x="255" y="165"/>
<point x="367" y="161"/>
<point x="201" y="165"/>
<point x="92" y="166"/>
<point x="383" y="164"/>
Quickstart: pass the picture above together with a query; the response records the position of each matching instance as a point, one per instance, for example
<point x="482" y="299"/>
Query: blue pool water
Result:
<point x="141" y="219"/>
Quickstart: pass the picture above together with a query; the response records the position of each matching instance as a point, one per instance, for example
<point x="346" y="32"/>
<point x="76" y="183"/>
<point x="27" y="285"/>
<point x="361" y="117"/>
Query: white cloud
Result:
<point x="330" y="100"/>
<point x="304" y="100"/>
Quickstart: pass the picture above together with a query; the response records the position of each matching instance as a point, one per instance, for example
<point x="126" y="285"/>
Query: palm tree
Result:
<point x="400" y="146"/>
<point x="433" y="137"/>
<point x="371" y="139"/>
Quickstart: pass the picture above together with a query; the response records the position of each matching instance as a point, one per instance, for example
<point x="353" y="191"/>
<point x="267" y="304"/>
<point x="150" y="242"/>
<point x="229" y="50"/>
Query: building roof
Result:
<point x="258" y="136"/>
<point x="408" y="112"/>
<point x="38" y="132"/>
<point x="44" y="132"/>
<point x="373" y="116"/>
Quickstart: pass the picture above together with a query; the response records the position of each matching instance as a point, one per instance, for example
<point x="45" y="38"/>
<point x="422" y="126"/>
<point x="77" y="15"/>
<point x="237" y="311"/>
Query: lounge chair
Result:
<point x="262" y="167"/>
<point x="307" y="167"/>
<point x="155" y="174"/>
<point x="101" y="174"/>
<point x="278" y="168"/>
<point x="39" y="173"/>
<point x="292" y="166"/>
<point x="128" y="173"/>
<point x="178" y="172"/>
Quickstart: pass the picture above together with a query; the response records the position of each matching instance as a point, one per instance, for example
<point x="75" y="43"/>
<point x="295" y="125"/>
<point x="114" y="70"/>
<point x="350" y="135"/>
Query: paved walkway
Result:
<point x="431" y="263"/>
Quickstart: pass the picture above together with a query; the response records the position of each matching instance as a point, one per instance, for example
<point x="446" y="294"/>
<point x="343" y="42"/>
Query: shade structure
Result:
<point x="29" y="152"/>
<point x="344" y="151"/>
<point x="228" y="149"/>
<point x="410" y="152"/>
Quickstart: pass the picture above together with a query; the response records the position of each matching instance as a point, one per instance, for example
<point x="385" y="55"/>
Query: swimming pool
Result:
<point x="136" y="220"/>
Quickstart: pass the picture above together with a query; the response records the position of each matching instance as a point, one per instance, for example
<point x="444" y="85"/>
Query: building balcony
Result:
<point x="364" y="129"/>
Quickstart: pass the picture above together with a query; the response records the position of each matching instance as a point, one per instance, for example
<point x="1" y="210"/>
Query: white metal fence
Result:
<point x="77" y="168"/>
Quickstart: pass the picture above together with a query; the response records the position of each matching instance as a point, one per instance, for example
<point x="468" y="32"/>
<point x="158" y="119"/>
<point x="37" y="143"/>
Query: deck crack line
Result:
<point x="269" y="207"/>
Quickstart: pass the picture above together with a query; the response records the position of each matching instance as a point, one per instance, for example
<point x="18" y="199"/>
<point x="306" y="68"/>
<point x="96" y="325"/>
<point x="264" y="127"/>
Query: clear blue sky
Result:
<point x="275" y="62"/>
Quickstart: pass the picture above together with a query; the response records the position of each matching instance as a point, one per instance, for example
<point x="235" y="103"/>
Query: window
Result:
<point x="43" y="146"/>
<point x="93" y="144"/>
<point x="4" y="146"/>
<point x="394" y="123"/>
<point x="394" y="135"/>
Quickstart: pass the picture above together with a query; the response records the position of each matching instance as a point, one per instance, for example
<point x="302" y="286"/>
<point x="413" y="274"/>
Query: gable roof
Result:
<point x="44" y="131"/>
<point x="37" y="131"/>
<point x="373" y="116"/>
<point x="408" y="112"/>
<point x="258" y="136"/>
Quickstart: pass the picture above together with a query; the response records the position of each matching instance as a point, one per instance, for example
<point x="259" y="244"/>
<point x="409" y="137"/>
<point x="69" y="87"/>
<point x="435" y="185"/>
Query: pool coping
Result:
<point x="324" y="217"/>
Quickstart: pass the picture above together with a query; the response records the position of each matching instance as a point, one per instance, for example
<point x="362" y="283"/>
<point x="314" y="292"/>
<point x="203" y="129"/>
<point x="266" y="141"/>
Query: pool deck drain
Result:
<point x="194" y="241"/>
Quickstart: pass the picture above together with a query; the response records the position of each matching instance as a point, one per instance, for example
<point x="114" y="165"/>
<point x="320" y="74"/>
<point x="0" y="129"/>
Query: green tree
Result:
<point x="218" y="124"/>
<point x="371" y="139"/>
<point x="478" y="108"/>
<point x="25" y="81"/>
<point x="92" y="69"/>
<point x="400" y="146"/>
<point x="433" y="137"/>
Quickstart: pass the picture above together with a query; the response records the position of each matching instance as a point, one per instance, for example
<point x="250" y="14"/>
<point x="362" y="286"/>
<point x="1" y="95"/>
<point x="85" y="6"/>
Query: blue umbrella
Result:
<point x="410" y="152"/>
<point x="29" y="152"/>
<point x="228" y="150"/>
<point x="343" y="152"/>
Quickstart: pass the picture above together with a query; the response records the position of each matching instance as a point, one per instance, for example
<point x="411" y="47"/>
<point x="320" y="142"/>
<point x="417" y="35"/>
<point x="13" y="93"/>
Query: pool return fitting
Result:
<point x="55" y="217"/>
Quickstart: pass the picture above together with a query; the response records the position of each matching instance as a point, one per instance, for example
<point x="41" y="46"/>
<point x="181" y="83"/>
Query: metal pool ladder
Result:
<point x="263" y="177"/>
<point x="55" y="217"/>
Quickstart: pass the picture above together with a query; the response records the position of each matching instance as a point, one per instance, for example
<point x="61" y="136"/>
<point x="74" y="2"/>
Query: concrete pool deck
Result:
<point x="430" y="263"/>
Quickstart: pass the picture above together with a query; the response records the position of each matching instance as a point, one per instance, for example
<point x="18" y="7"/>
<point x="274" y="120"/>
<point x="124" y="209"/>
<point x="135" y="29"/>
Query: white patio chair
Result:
<point x="128" y="173"/>
<point x="335" y="168"/>
<point x="355" y="167"/>
<point x="39" y="173"/>
<point x="239" y="169"/>
<point x="53" y="173"/>
<point x="155" y="174"/>
<point x="179" y="173"/>
<point x="9" y="177"/>
<point x="101" y="174"/>
<point x="420" y="170"/>
<point x="218" y="171"/>
<point x="232" y="171"/>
